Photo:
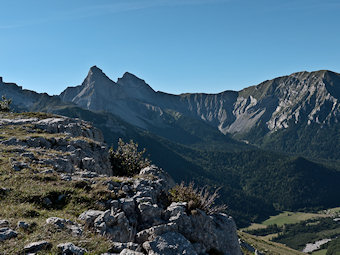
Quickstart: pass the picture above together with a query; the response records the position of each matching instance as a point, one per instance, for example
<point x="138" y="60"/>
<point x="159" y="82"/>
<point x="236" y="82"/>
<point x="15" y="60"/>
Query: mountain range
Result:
<point x="273" y="146"/>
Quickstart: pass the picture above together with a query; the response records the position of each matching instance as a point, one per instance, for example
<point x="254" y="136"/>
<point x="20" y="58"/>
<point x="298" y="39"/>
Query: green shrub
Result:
<point x="5" y="104"/>
<point x="197" y="198"/>
<point x="127" y="160"/>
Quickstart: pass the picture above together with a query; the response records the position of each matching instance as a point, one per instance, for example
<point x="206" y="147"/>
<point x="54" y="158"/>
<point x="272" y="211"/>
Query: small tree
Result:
<point x="127" y="160"/>
<point x="5" y="104"/>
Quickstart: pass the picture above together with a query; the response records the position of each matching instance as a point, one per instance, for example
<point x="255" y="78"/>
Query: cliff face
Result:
<point x="58" y="195"/>
<point x="276" y="104"/>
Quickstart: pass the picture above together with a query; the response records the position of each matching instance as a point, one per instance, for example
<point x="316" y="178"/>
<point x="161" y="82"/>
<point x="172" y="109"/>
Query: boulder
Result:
<point x="7" y="233"/>
<point x="70" y="249"/>
<point x="69" y="225"/>
<point x="89" y="217"/>
<point x="37" y="246"/>
<point x="150" y="213"/>
<point x="118" y="247"/>
<point x="115" y="226"/>
<point x="215" y="232"/>
<point x="23" y="225"/>
<point x="130" y="252"/>
<point x="4" y="223"/>
<point x="170" y="243"/>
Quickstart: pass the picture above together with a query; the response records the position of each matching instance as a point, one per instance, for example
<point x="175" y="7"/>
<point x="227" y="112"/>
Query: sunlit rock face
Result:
<point x="276" y="104"/>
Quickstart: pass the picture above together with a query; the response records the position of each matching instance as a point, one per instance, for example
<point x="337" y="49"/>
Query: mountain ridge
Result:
<point x="272" y="102"/>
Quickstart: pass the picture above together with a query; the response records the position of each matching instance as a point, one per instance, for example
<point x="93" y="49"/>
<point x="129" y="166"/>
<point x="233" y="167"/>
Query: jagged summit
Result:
<point x="135" y="87"/>
<point x="95" y="69"/>
<point x="96" y="76"/>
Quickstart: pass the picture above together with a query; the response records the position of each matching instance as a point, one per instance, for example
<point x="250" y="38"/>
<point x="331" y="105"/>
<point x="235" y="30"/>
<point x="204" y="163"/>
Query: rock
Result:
<point x="89" y="217"/>
<point x="87" y="174"/>
<point x="130" y="252"/>
<point x="37" y="246"/>
<point x="18" y="166"/>
<point x="170" y="243"/>
<point x="128" y="205"/>
<point x="257" y="252"/>
<point x="216" y="231"/>
<point x="58" y="222"/>
<point x="246" y="246"/>
<point x="200" y="248"/>
<point x="117" y="227"/>
<point x="23" y="225"/>
<point x="70" y="249"/>
<point x="7" y="233"/>
<point x="28" y="155"/>
<point x="47" y="171"/>
<point x="88" y="163"/>
<point x="63" y="165"/>
<point x="174" y="209"/>
<point x="4" y="223"/>
<point x="65" y="224"/>
<point x="65" y="177"/>
<point x="162" y="177"/>
<point x="46" y="201"/>
<point x="118" y="247"/>
<point x="153" y="232"/>
<point x="150" y="213"/>
<point x="3" y="191"/>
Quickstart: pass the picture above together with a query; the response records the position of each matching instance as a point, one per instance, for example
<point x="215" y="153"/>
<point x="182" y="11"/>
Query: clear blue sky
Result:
<point x="175" y="45"/>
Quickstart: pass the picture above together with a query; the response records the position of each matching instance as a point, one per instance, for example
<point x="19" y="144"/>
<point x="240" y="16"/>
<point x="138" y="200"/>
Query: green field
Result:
<point x="291" y="218"/>
<point x="267" y="247"/>
<point x="320" y="252"/>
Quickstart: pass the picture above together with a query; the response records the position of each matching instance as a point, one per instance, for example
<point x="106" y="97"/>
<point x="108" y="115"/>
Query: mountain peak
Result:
<point x="96" y="70"/>
<point x="135" y="87"/>
<point x="96" y="76"/>
<point x="1" y="80"/>
<point x="129" y="75"/>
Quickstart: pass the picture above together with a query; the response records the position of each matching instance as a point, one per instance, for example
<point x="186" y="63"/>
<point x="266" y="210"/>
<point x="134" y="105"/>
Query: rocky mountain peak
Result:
<point x="96" y="76"/>
<point x="135" y="87"/>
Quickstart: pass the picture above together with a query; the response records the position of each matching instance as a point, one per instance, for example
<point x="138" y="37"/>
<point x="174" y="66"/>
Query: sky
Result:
<point x="176" y="46"/>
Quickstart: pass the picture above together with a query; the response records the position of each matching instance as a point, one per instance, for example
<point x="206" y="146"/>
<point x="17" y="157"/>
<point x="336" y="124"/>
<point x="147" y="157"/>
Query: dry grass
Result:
<point x="197" y="198"/>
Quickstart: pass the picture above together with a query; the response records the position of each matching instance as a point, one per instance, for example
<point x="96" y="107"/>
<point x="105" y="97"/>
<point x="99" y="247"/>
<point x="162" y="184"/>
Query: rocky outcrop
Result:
<point x="144" y="219"/>
<point x="137" y="217"/>
<point x="64" y="144"/>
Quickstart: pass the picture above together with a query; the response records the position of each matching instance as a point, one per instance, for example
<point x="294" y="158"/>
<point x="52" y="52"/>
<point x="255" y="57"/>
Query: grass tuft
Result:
<point x="197" y="198"/>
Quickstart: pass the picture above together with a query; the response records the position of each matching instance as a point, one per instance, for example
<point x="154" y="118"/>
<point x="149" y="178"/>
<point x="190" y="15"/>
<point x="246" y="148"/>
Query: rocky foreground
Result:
<point x="58" y="196"/>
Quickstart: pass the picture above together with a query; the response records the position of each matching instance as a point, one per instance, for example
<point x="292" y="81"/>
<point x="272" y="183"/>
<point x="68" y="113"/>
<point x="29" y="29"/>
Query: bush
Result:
<point x="127" y="160"/>
<point x="5" y="104"/>
<point x="197" y="198"/>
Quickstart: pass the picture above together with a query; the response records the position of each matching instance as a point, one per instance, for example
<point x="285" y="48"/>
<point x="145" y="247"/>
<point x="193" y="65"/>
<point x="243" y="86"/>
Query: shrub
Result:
<point x="5" y="104"/>
<point x="197" y="198"/>
<point x="127" y="160"/>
